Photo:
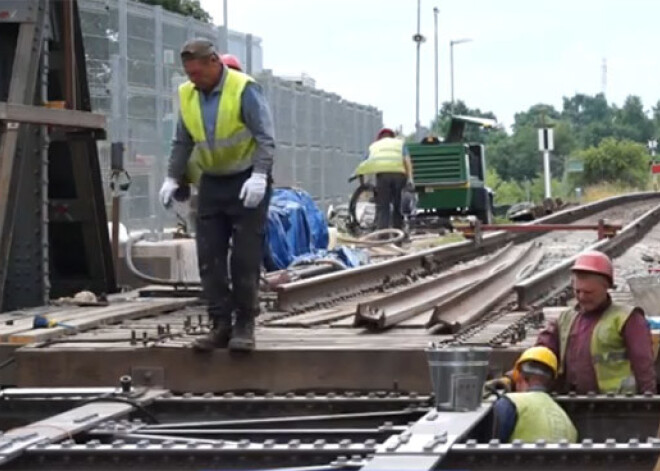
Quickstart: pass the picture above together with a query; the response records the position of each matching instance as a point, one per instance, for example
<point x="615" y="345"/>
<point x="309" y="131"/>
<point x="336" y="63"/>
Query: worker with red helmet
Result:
<point x="602" y="346"/>
<point x="232" y="62"/>
<point x="389" y="160"/>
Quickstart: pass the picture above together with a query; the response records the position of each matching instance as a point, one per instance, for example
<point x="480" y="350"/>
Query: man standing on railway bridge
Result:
<point x="530" y="414"/>
<point x="224" y="145"/>
<point x="389" y="159"/>
<point x="602" y="346"/>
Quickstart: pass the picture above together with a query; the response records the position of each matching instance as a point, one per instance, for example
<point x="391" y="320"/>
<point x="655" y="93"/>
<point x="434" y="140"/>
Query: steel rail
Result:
<point x="549" y="282"/>
<point x="325" y="289"/>
<point x="470" y="304"/>
<point x="403" y="304"/>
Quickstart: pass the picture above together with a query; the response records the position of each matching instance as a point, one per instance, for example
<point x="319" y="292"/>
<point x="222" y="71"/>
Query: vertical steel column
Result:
<point x="123" y="73"/>
<point x="158" y="174"/>
<point x="225" y="24"/>
<point x="294" y="128"/>
<point x="70" y="91"/>
<point x="322" y="150"/>
<point x="21" y="90"/>
<point x="248" y="54"/>
<point x="45" y="253"/>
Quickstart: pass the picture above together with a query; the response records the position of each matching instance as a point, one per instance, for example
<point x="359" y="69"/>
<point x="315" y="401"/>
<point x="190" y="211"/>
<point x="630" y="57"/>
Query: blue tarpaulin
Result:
<point x="297" y="228"/>
<point x="347" y="257"/>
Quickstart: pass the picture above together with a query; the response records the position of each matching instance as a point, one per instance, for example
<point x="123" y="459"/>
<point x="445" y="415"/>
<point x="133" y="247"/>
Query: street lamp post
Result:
<point x="419" y="39"/>
<point x="436" y="10"/>
<point x="452" y="43"/>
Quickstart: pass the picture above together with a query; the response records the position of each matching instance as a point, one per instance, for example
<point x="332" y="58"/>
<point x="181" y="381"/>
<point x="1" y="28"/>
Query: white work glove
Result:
<point x="170" y="185"/>
<point x="253" y="190"/>
<point x="410" y="184"/>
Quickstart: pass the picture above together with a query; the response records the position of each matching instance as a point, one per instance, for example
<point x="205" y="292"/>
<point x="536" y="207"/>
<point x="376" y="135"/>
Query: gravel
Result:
<point x="561" y="245"/>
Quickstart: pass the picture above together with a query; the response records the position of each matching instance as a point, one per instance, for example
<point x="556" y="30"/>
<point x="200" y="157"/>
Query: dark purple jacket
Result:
<point x="579" y="375"/>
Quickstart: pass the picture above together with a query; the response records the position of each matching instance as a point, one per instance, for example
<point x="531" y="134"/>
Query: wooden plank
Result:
<point x="25" y="323"/>
<point x="65" y="315"/>
<point x="137" y="309"/>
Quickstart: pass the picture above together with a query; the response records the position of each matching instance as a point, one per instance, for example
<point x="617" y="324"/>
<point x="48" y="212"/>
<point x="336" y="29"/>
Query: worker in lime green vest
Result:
<point x="224" y="145"/>
<point x="530" y="414"/>
<point x="603" y="347"/>
<point x="389" y="160"/>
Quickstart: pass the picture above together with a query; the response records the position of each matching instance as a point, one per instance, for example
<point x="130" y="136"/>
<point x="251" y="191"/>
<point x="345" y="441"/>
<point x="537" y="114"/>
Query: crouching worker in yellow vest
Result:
<point x="530" y="414"/>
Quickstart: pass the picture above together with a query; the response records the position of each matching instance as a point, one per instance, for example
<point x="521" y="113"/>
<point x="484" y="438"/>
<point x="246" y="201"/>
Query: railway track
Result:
<point x="328" y="290"/>
<point x="448" y="301"/>
<point x="154" y="429"/>
<point x="453" y="301"/>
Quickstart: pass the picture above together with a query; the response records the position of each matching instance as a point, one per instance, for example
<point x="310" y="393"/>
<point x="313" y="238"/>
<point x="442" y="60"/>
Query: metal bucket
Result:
<point x="458" y="375"/>
<point x="646" y="293"/>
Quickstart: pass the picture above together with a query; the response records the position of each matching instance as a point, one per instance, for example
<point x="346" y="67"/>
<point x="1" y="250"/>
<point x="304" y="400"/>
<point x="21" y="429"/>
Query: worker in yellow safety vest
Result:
<point x="603" y="347"/>
<point x="530" y="414"/>
<point x="389" y="160"/>
<point x="224" y="145"/>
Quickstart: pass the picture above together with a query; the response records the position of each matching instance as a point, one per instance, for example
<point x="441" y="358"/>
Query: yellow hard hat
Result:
<point x="541" y="355"/>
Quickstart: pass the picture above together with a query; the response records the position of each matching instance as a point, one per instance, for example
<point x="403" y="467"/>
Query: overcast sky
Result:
<point x="523" y="51"/>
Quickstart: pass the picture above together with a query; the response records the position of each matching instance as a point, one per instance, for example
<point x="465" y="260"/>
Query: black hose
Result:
<point x="354" y="224"/>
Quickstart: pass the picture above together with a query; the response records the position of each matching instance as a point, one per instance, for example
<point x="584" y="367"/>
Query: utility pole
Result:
<point x="419" y="39"/>
<point x="436" y="10"/>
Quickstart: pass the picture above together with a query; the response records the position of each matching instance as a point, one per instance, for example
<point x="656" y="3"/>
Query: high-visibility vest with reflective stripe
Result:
<point x="231" y="149"/>
<point x="540" y="418"/>
<point x="608" y="350"/>
<point x="385" y="156"/>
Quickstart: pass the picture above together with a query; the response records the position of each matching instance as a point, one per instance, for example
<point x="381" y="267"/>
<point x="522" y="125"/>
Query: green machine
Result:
<point x="449" y="176"/>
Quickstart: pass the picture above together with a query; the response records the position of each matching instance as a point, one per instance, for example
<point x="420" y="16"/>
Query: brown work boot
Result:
<point x="242" y="338"/>
<point x="218" y="337"/>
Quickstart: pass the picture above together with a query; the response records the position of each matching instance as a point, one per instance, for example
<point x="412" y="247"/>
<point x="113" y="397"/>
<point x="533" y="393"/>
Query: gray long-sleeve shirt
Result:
<point x="256" y="115"/>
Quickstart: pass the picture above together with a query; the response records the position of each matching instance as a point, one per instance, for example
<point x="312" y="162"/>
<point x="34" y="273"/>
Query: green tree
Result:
<point x="183" y="7"/>
<point x="506" y="192"/>
<point x="656" y="119"/>
<point x="536" y="116"/>
<point x="582" y="110"/>
<point x="440" y="125"/>
<point x="615" y="161"/>
<point x="517" y="156"/>
<point x="631" y="122"/>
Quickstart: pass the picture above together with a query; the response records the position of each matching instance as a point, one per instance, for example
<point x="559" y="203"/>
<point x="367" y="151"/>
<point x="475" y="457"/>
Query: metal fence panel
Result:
<point x="133" y="67"/>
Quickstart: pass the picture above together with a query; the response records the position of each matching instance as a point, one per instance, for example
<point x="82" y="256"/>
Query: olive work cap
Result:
<point x="198" y="49"/>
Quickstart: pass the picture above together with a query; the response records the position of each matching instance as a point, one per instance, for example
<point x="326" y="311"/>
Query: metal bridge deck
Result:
<point x="151" y="343"/>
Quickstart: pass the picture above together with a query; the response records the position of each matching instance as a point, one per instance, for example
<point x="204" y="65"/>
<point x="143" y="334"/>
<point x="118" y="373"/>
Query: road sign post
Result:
<point x="546" y="144"/>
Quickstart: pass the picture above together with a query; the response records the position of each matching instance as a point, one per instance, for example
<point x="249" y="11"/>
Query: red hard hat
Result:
<point x="595" y="262"/>
<point x="385" y="131"/>
<point x="232" y="62"/>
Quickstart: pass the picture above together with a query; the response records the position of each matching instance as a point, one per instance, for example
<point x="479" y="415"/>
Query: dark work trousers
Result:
<point x="388" y="200"/>
<point x="221" y="216"/>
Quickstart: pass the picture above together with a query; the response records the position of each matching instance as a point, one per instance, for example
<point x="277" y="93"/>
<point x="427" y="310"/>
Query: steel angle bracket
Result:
<point x="65" y="425"/>
<point x="423" y="446"/>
